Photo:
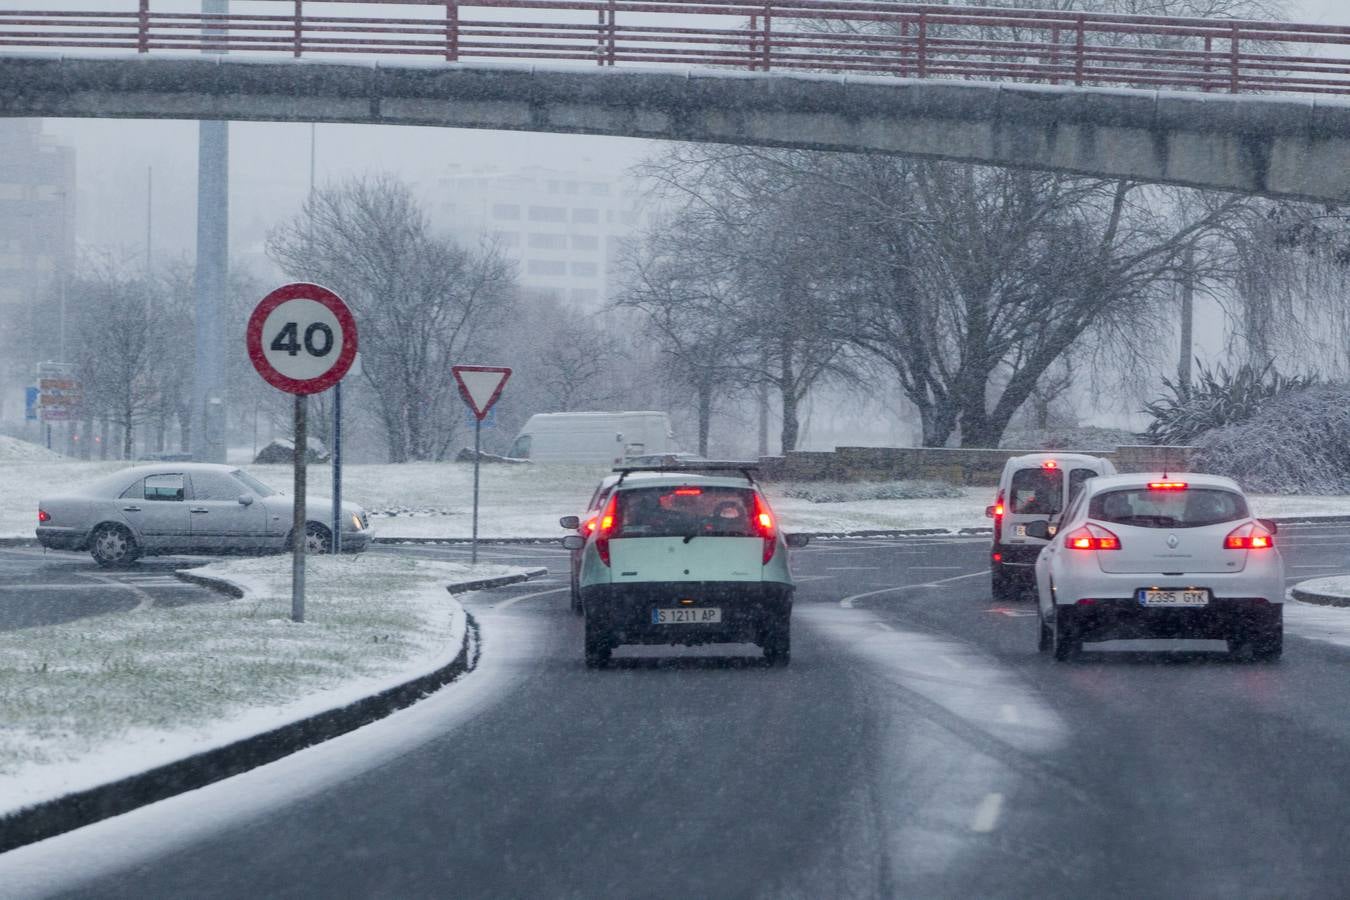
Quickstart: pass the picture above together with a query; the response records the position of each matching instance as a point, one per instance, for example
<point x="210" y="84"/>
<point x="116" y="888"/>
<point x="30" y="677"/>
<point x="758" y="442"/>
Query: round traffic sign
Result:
<point x="301" y="338"/>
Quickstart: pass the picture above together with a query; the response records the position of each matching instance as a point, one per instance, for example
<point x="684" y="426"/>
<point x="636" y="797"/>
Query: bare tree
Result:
<point x="420" y="300"/>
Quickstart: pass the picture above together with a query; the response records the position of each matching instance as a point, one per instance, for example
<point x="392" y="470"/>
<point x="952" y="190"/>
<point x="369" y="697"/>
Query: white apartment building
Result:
<point x="562" y="228"/>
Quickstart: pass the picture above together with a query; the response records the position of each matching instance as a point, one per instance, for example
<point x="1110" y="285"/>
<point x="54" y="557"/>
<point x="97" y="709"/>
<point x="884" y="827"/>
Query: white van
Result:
<point x="593" y="437"/>
<point x="1034" y="486"/>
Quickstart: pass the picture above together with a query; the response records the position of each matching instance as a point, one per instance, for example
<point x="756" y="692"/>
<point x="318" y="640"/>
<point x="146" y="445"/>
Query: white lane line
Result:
<point x="986" y="816"/>
<point x="514" y="600"/>
<point x="942" y="568"/>
<point x="851" y="568"/>
<point x="1008" y="713"/>
<point x="52" y="585"/>
<point x="847" y="602"/>
<point x="1330" y="566"/>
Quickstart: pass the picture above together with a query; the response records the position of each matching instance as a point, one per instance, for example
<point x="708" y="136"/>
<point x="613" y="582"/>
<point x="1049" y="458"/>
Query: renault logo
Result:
<point x="1172" y="541"/>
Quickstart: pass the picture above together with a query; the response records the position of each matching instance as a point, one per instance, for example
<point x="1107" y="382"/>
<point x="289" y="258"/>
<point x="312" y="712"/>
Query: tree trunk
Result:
<point x="938" y="420"/>
<point x="105" y="436"/>
<point x="1187" y="322"/>
<point x="705" y="401"/>
<point x="787" y="387"/>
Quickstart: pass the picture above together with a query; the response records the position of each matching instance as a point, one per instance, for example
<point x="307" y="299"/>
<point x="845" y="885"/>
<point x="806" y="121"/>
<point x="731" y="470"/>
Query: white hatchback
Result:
<point x="1160" y="556"/>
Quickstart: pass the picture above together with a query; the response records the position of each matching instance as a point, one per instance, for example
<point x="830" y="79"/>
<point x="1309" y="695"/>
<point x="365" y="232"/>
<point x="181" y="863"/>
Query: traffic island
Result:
<point x="109" y="714"/>
<point x="1330" y="591"/>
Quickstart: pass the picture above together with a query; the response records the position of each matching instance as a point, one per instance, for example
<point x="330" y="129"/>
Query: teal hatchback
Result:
<point x="688" y="555"/>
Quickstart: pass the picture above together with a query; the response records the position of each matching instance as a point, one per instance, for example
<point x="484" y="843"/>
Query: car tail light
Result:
<point x="608" y="519"/>
<point x="763" y="524"/>
<point x="998" y="517"/>
<point x="1049" y="464"/>
<point x="44" y="516"/>
<point x="1249" y="537"/>
<point x="998" y="557"/>
<point x="1091" y="537"/>
<point x="1167" y="485"/>
<point x="587" y="528"/>
<point x="688" y="492"/>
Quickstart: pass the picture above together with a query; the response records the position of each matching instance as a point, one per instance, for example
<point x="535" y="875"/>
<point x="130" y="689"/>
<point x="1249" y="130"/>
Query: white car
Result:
<point x="1160" y="556"/>
<point x="187" y="508"/>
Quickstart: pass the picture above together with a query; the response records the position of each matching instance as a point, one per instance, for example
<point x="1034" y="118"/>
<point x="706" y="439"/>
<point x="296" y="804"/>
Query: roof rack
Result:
<point x="702" y="466"/>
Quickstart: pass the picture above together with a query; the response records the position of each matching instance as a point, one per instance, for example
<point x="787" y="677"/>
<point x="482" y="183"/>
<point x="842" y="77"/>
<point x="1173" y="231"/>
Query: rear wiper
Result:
<point x="690" y="537"/>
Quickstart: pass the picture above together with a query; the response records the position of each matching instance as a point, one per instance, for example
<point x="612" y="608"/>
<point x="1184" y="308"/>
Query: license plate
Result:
<point x="689" y="615"/>
<point x="1020" y="530"/>
<point x="1189" y="597"/>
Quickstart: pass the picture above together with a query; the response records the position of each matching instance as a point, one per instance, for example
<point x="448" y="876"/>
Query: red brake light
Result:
<point x="688" y="492"/>
<point x="590" y="524"/>
<point x="44" y="516"/>
<point x="1249" y="537"/>
<point x="1167" y="485"/>
<point x="1091" y="537"/>
<point x="1049" y="464"/>
<point x="607" y="520"/>
<point x="763" y="525"/>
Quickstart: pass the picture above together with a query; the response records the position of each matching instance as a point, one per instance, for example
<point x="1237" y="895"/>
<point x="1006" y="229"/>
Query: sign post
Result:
<point x="480" y="386"/>
<point x="301" y="339"/>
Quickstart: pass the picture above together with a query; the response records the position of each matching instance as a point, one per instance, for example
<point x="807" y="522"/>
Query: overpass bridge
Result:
<point x="1257" y="107"/>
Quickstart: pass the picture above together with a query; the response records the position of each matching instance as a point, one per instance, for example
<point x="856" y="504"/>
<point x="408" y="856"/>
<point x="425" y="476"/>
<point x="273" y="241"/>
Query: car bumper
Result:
<point x="1085" y="580"/>
<point x="1127" y="619"/>
<point x="1017" y="559"/>
<point x="625" y="610"/>
<point x="356" y="541"/>
<point x="57" y="538"/>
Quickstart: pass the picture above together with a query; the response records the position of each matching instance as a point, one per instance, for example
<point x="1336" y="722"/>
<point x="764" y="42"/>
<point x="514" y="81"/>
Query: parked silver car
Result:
<point x="187" y="508"/>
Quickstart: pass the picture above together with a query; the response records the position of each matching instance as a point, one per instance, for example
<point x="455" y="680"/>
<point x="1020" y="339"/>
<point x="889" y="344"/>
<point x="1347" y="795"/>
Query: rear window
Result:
<point x="683" y="511"/>
<point x="1037" y="492"/>
<point x="1192" y="508"/>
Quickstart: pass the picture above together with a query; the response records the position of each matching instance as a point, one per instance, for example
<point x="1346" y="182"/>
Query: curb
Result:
<point x="220" y="585"/>
<point x="18" y="542"/>
<point x="485" y="583"/>
<point x="53" y="817"/>
<point x="1320" y="599"/>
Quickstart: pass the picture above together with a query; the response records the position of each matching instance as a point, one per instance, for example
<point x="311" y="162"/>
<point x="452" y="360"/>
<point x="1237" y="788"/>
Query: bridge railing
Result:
<point x="902" y="39"/>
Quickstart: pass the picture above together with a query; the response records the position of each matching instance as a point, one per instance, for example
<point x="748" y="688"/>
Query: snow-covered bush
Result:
<point x="1218" y="398"/>
<point x="848" y="492"/>
<point x="1298" y="443"/>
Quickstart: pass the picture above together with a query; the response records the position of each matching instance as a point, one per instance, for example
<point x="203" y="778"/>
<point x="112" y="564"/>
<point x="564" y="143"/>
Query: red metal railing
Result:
<point x="904" y="39"/>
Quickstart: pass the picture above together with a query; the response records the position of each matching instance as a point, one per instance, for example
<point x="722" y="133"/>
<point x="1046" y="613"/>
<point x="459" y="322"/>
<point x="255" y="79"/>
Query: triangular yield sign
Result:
<point x="480" y="386"/>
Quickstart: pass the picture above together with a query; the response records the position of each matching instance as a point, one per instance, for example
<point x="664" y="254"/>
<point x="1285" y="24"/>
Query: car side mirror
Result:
<point x="1268" y="525"/>
<point x="571" y="523"/>
<point x="574" y="542"/>
<point x="797" y="540"/>
<point x="245" y="499"/>
<point x="1040" y="529"/>
<point x="989" y="512"/>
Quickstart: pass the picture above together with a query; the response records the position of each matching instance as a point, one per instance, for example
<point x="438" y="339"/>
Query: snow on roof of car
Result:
<point x="1035" y="459"/>
<point x="675" y="478"/>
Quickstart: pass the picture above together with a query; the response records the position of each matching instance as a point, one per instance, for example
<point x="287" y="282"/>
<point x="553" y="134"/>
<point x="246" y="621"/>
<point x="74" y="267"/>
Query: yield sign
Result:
<point x="480" y="386"/>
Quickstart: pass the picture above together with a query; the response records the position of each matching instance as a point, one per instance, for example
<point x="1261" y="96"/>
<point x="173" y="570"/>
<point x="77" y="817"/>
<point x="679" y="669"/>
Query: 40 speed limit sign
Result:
<point x="301" y="338"/>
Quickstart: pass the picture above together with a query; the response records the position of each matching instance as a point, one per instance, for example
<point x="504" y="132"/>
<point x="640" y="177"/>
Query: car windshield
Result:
<point x="1145" y="508"/>
<point x="685" y="510"/>
<point x="1037" y="491"/>
<point x="252" y="483"/>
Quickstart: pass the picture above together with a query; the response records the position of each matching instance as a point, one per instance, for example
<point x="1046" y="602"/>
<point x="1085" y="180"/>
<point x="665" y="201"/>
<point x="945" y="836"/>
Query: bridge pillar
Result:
<point x="213" y="251"/>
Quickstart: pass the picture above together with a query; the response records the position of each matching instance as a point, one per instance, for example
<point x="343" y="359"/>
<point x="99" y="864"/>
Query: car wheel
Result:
<point x="113" y="545"/>
<point x="1263" y="645"/>
<point x="598" y="645"/>
<point x="1000" y="586"/>
<point x="1064" y="636"/>
<point x="318" y="540"/>
<point x="776" y="642"/>
<point x="576" y="595"/>
<point x="1047" y="638"/>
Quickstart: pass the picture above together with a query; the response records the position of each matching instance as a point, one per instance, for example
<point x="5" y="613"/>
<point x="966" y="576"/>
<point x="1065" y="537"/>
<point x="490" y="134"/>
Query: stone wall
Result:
<point x="955" y="466"/>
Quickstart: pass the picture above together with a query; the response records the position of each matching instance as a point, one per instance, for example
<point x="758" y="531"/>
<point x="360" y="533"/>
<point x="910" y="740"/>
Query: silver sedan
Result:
<point x="187" y="508"/>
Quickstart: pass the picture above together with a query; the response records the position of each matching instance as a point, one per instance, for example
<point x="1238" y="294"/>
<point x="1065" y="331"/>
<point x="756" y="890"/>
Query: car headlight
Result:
<point x="356" y="521"/>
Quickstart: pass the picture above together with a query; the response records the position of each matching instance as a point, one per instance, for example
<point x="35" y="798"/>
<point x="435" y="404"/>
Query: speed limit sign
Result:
<point x="302" y="338"/>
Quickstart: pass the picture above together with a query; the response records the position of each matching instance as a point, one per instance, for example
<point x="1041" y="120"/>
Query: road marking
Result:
<point x="883" y="626"/>
<point x="1008" y="713"/>
<point x="943" y="568"/>
<point x="847" y="602"/>
<point x="986" y="817"/>
<point x="1012" y="613"/>
<point x="1332" y="566"/>
<point x="514" y="600"/>
<point x="851" y="568"/>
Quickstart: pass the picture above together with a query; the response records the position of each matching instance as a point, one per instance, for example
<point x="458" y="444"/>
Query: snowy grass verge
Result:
<point x="92" y="701"/>
<point x="435" y="500"/>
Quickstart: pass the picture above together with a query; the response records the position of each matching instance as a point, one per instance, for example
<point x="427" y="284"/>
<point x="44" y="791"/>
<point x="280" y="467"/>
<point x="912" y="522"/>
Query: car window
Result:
<point x="1075" y="506"/>
<point x="163" y="487"/>
<point x="134" y="491"/>
<point x="671" y="511"/>
<point x="600" y="496"/>
<point x="214" y="486"/>
<point x="1037" y="492"/>
<point x="1076" y="479"/>
<point x="1192" y="508"/>
<point x="249" y="482"/>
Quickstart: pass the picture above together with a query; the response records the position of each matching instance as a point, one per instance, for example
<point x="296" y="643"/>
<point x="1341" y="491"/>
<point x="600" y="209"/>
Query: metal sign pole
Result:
<point x="477" y="461"/>
<point x="337" y="467"/>
<point x="298" y="523"/>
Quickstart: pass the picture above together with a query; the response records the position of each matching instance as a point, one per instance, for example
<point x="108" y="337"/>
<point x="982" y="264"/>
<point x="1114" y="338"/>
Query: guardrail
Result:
<point x="902" y="39"/>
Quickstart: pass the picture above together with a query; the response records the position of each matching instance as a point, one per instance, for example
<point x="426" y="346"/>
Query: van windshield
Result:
<point x="1037" y="492"/>
<point x="685" y="510"/>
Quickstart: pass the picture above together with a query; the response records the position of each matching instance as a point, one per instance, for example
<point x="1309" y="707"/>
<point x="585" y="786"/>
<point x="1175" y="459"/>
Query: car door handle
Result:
<point x="198" y="509"/>
<point x="131" y="509"/>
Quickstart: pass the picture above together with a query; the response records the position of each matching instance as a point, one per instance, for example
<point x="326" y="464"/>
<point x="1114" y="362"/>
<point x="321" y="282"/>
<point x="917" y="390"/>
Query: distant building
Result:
<point x="37" y="246"/>
<point x="563" y="229"/>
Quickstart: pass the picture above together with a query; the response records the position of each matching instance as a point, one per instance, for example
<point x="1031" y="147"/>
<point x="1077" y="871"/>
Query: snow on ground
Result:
<point x="15" y="450"/>
<point x="1319" y="623"/>
<point x="87" y="702"/>
<point x="436" y="499"/>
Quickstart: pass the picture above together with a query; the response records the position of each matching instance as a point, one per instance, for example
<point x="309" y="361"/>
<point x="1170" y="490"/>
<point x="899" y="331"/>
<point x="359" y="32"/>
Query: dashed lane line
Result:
<point x="986" y="816"/>
<point x="847" y="602"/>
